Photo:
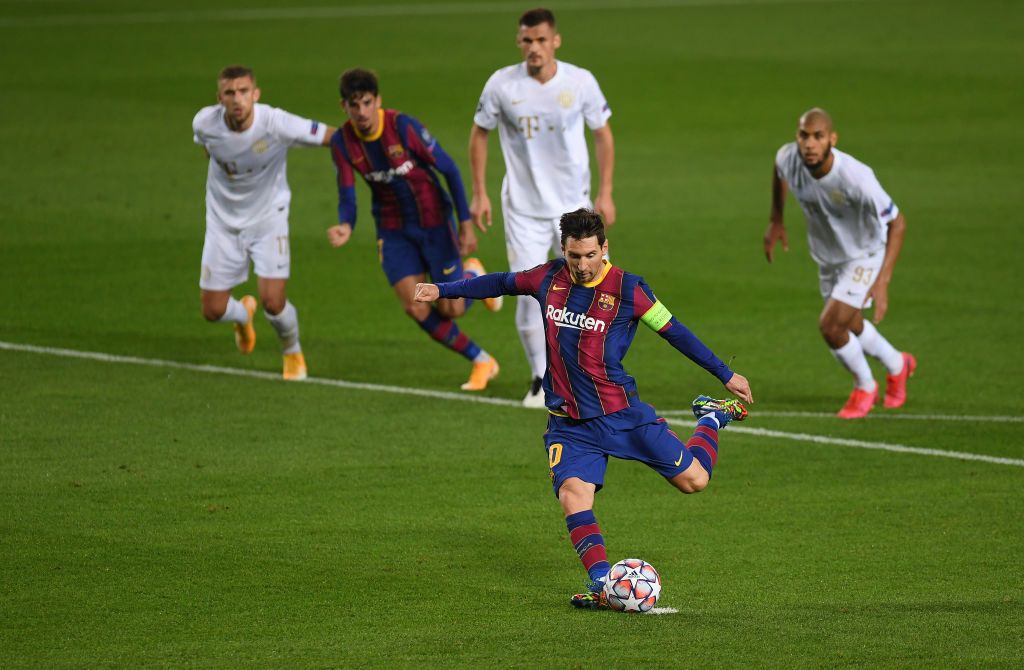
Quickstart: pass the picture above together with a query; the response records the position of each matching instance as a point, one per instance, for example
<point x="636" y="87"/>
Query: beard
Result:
<point x="824" y="158"/>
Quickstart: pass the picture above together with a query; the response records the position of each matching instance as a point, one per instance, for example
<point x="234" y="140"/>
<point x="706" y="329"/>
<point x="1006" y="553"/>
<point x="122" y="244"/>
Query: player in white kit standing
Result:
<point x="247" y="199"/>
<point x="540" y="107"/>
<point x="855" y="233"/>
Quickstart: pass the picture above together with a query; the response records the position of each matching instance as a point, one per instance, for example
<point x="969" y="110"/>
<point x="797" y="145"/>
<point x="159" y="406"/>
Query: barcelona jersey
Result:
<point x="589" y="328"/>
<point x="398" y="163"/>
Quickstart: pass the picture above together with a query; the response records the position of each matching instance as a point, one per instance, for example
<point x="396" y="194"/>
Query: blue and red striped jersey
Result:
<point x="589" y="328"/>
<point x="398" y="163"/>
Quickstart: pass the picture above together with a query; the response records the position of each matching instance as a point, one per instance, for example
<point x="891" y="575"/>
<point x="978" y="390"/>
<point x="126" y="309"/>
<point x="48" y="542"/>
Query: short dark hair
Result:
<point x="236" y="72"/>
<point x="581" y="224"/>
<point x="537" y="16"/>
<point x="357" y="81"/>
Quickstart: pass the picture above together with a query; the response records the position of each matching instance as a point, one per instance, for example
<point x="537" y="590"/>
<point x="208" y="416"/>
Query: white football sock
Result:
<point x="287" y="326"/>
<point x="482" y="357"/>
<point x="531" y="334"/>
<point x="873" y="344"/>
<point x="852" y="358"/>
<point x="235" y="312"/>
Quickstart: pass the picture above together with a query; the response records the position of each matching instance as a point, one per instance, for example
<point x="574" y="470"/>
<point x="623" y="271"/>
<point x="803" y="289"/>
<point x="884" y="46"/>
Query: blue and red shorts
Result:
<point x="580" y="448"/>
<point x="412" y="250"/>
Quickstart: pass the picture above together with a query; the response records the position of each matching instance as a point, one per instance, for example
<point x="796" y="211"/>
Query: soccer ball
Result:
<point x="633" y="585"/>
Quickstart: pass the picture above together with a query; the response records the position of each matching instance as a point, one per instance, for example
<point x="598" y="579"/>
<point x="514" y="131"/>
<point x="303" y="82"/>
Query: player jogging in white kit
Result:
<point x="247" y="200"/>
<point x="539" y="107"/>
<point x="855" y="233"/>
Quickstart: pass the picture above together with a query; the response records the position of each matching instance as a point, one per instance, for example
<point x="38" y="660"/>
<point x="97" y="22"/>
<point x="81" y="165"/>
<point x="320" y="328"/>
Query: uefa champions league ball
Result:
<point x="633" y="585"/>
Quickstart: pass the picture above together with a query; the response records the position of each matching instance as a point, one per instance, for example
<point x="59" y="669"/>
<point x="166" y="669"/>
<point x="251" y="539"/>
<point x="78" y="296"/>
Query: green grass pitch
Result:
<point x="173" y="517"/>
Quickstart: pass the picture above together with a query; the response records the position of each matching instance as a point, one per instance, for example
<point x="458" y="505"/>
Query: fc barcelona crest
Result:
<point x="606" y="302"/>
<point x="396" y="151"/>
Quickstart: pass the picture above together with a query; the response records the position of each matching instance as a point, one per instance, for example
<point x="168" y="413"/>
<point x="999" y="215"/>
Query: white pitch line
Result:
<point x="662" y="610"/>
<point x="365" y="11"/>
<point x="464" y="397"/>
<point x="881" y="446"/>
<point x="995" y="418"/>
<point x="256" y="374"/>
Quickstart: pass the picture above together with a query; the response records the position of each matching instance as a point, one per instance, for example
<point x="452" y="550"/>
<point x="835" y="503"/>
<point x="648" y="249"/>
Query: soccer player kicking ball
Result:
<point x="417" y="233"/>
<point x="590" y="312"/>
<point x="247" y="199"/>
<point x="855" y="233"/>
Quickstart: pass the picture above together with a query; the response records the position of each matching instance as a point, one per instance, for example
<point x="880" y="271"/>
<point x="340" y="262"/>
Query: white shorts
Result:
<point x="227" y="252"/>
<point x="849" y="282"/>
<point x="529" y="240"/>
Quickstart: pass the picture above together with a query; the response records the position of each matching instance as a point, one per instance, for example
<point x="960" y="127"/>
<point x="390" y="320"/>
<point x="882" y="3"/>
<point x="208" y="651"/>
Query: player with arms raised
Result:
<point x="247" y="199"/>
<point x="591" y="312"/>
<point x="540" y="107"/>
<point x="855" y="233"/>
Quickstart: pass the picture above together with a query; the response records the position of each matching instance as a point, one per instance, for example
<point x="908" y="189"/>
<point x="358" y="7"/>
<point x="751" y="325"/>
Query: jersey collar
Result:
<point x="597" y="280"/>
<point x="375" y="136"/>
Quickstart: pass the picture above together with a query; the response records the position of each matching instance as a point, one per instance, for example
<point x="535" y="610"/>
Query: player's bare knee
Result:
<point x="451" y="309"/>
<point x="834" y="333"/>
<point x="692" y="480"/>
<point x="213" y="312"/>
<point x="417" y="310"/>
<point x="575" y="495"/>
<point x="273" y="304"/>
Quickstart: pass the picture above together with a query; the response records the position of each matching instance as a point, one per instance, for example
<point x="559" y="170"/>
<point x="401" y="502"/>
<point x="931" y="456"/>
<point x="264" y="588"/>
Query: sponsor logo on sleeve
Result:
<point x="314" y="127"/>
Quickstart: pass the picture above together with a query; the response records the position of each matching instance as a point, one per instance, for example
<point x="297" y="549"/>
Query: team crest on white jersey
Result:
<point x="838" y="197"/>
<point x="260" y="146"/>
<point x="566" y="98"/>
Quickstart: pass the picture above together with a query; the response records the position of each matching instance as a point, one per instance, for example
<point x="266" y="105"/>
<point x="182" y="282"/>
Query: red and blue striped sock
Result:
<point x="703" y="444"/>
<point x="447" y="333"/>
<point x="586" y="538"/>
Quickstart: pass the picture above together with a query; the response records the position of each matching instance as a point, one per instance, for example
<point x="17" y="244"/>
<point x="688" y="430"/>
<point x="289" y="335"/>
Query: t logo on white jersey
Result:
<point x="528" y="125"/>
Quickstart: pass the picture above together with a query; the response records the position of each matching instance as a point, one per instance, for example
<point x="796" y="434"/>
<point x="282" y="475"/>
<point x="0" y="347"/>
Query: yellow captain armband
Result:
<point x="656" y="317"/>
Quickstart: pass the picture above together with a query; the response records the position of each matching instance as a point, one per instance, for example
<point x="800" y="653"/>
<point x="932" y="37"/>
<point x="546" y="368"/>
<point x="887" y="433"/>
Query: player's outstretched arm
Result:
<point x="776" y="230"/>
<point x="739" y="386"/>
<point x="426" y="293"/>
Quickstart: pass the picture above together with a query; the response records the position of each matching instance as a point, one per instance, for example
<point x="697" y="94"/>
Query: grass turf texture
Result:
<point x="158" y="517"/>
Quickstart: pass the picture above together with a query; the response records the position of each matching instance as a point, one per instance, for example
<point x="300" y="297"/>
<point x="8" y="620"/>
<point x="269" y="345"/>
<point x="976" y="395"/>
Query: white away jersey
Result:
<point x="247" y="181"/>
<point x="847" y="210"/>
<point x="541" y="130"/>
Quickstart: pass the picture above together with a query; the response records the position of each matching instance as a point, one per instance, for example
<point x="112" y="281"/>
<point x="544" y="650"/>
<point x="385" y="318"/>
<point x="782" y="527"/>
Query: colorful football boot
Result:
<point x="482" y="373"/>
<point x="723" y="410"/>
<point x="294" y="367"/>
<point x="896" y="385"/>
<point x="245" y="335"/>
<point x="858" y="404"/>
